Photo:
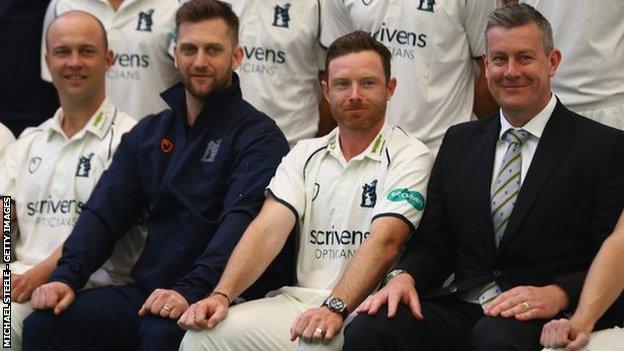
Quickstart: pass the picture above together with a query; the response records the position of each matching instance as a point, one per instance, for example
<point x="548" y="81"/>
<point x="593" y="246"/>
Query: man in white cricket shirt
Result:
<point x="51" y="169"/>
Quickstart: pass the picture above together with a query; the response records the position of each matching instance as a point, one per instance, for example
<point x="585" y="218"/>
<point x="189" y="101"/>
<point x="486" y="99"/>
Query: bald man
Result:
<point x="51" y="169"/>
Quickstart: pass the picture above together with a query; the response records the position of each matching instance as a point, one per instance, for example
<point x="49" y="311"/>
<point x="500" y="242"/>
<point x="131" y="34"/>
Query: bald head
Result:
<point x="85" y="20"/>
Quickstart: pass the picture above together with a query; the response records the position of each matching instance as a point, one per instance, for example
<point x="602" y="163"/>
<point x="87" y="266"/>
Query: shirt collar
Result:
<point x="536" y="125"/>
<point x="374" y="151"/>
<point x="99" y="123"/>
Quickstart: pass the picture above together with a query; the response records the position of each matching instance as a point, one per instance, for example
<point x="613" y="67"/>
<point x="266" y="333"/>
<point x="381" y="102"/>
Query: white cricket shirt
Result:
<point x="281" y="62"/>
<point x="50" y="178"/>
<point x="6" y="138"/>
<point x="335" y="201"/>
<point x="590" y="36"/>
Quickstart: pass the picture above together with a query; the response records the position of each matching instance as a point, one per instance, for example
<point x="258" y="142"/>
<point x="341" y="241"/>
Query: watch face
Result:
<point x="336" y="304"/>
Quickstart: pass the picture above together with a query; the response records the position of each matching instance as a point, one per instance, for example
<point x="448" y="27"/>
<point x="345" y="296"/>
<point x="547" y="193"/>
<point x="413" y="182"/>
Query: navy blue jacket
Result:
<point x="200" y="186"/>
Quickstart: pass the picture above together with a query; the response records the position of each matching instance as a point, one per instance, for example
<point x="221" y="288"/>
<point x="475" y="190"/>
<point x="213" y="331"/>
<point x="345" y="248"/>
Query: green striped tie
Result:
<point x="507" y="183"/>
<point x="504" y="197"/>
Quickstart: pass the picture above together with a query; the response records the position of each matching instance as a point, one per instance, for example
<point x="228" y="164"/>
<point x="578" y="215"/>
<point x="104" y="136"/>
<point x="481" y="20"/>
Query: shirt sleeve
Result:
<point x="255" y="164"/>
<point x="8" y="170"/>
<point x="475" y="21"/>
<point x="287" y="186"/>
<point x="405" y="186"/>
<point x="335" y="21"/>
<point x="114" y="206"/>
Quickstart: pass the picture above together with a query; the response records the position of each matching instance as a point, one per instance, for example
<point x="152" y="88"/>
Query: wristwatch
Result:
<point x="393" y="274"/>
<point x="336" y="305"/>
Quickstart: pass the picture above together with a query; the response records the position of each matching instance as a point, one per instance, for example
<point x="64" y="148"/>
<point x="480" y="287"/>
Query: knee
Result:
<point x="485" y="338"/>
<point x="369" y="332"/>
<point x="39" y="330"/>
<point x="196" y="340"/>
<point x="156" y="333"/>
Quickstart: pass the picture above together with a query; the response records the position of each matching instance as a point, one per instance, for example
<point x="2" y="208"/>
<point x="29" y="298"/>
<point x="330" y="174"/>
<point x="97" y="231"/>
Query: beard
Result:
<point x="217" y="84"/>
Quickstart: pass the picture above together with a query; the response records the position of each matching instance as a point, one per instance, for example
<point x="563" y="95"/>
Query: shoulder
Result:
<point x="249" y="124"/>
<point x="123" y="122"/>
<point x="401" y="146"/>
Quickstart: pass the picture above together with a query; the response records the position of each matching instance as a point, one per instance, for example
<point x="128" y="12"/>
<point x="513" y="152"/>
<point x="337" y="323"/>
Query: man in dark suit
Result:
<point x="518" y="205"/>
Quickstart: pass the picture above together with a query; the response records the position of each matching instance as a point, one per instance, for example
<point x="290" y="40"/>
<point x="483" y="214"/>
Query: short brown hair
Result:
<point x="356" y="42"/>
<point x="200" y="10"/>
<point x="516" y="15"/>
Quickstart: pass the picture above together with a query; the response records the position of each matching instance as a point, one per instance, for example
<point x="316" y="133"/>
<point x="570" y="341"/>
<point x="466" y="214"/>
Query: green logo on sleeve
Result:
<point x="414" y="198"/>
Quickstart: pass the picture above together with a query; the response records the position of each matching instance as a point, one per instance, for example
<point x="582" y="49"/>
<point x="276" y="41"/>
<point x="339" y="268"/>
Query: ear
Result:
<point x="554" y="60"/>
<point x="47" y="60"/>
<point x="390" y="87"/>
<point x="108" y="57"/>
<point x="325" y="88"/>
<point x="175" y="56"/>
<point x="484" y="59"/>
<point x="237" y="57"/>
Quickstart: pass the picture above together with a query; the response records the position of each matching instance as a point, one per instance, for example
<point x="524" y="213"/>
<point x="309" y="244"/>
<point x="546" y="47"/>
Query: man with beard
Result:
<point x="355" y="194"/>
<point x="197" y="171"/>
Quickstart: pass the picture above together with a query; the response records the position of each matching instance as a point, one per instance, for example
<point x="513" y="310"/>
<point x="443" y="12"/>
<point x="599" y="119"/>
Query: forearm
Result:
<point x="47" y="266"/>
<point x="605" y="280"/>
<point x="371" y="261"/>
<point x="253" y="254"/>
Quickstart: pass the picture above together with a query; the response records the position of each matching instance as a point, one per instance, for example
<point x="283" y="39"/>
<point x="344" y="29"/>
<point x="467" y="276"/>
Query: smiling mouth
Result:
<point x="74" y="77"/>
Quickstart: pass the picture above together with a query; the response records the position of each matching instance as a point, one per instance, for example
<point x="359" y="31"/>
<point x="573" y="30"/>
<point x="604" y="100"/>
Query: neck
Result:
<point x="115" y="4"/>
<point x="193" y="108"/>
<point x="77" y="114"/>
<point x="354" y="141"/>
<point x="518" y="118"/>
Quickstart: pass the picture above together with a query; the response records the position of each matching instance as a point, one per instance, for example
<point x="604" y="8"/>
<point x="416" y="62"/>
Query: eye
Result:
<point x="368" y="83"/>
<point x="213" y="50"/>
<point x="60" y="52"/>
<point x="87" y="51"/>
<point x="187" y="50"/>
<point x="340" y="84"/>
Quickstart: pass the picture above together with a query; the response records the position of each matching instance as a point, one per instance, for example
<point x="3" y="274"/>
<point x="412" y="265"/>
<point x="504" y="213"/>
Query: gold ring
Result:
<point x="166" y="308"/>
<point x="319" y="331"/>
<point x="526" y="305"/>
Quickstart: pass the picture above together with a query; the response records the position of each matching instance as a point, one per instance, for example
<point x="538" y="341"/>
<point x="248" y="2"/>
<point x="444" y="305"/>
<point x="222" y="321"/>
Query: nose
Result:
<point x="356" y="94"/>
<point x="201" y="59"/>
<point x="512" y="69"/>
<point x="75" y="60"/>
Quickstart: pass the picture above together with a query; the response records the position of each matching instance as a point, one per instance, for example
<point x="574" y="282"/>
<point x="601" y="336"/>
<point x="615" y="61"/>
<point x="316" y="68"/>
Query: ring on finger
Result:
<point x="167" y="308"/>
<point x="526" y="305"/>
<point x="319" y="331"/>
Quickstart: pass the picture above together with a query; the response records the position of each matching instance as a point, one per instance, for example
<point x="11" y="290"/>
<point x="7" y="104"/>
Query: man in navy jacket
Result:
<point x="197" y="172"/>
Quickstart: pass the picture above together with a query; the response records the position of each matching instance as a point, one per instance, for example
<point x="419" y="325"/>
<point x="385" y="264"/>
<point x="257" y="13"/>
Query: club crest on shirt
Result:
<point x="426" y="5"/>
<point x="281" y="17"/>
<point x="369" y="194"/>
<point x="145" y="21"/>
<point x="84" y="166"/>
<point x="33" y="164"/>
<point x="211" y="151"/>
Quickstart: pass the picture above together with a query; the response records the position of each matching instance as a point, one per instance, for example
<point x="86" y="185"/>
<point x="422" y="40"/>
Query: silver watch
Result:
<point x="393" y="274"/>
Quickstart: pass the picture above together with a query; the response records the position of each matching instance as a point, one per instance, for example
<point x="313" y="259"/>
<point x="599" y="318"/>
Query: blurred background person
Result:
<point x="141" y="36"/>
<point x="590" y="79"/>
<point x="436" y="46"/>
